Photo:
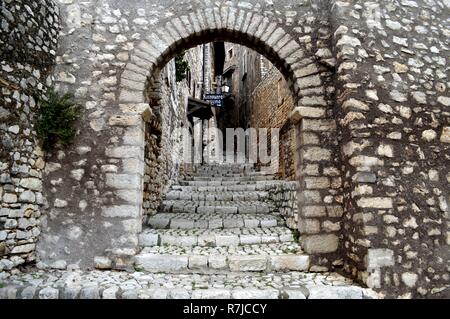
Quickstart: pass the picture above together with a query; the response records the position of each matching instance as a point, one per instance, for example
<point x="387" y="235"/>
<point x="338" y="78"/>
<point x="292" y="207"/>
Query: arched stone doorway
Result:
<point x="106" y="199"/>
<point x="308" y="75"/>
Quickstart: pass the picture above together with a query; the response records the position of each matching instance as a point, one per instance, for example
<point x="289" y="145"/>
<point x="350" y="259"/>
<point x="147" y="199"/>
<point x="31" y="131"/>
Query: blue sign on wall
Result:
<point x="216" y="100"/>
<point x="213" y="97"/>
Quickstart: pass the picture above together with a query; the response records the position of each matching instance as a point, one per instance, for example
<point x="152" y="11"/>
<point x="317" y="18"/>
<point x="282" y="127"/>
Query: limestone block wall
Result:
<point x="284" y="196"/>
<point x="393" y="95"/>
<point x="28" y="40"/>
<point x="163" y="140"/>
<point x="288" y="149"/>
<point x="318" y="163"/>
<point x="94" y="189"/>
<point x="271" y="104"/>
<point x="153" y="168"/>
<point x="370" y="88"/>
<point x="160" y="144"/>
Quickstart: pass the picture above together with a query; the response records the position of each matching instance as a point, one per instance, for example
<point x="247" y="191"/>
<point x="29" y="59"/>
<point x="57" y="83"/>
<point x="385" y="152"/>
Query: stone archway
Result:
<point x="105" y="198"/>
<point x="307" y="74"/>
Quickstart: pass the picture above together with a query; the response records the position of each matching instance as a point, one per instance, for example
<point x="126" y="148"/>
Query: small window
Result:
<point x="244" y="65"/>
<point x="279" y="92"/>
<point x="188" y="78"/>
<point x="230" y="53"/>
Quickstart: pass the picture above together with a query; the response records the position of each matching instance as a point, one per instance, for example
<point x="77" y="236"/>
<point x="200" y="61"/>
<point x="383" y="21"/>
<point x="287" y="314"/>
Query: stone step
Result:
<point x="217" y="195"/>
<point x="227" y="173"/>
<point x="215" y="237"/>
<point x="144" y="285"/>
<point x="213" y="221"/>
<point x="225" y="165"/>
<point x="221" y="207"/>
<point x="208" y="174"/>
<point x="224" y="172"/>
<point x="224" y="183"/>
<point x="226" y="188"/>
<point x="248" y="258"/>
<point x="215" y="176"/>
<point x="228" y="179"/>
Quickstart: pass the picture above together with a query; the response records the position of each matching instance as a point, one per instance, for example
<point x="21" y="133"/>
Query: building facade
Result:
<point x="259" y="97"/>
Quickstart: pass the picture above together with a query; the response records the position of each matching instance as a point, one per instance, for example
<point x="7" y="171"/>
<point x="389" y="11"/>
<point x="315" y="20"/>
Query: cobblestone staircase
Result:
<point x="220" y="219"/>
<point x="219" y="235"/>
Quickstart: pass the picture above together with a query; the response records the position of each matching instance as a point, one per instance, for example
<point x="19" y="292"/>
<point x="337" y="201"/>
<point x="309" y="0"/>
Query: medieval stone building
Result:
<point x="259" y="97"/>
<point x="358" y="209"/>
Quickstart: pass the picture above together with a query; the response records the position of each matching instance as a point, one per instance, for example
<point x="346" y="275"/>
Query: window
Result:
<point x="244" y="65"/>
<point x="188" y="79"/>
<point x="230" y="54"/>
<point x="279" y="92"/>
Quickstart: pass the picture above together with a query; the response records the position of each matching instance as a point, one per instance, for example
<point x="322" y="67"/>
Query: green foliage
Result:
<point x="181" y="67"/>
<point x="296" y="235"/>
<point x="56" y="120"/>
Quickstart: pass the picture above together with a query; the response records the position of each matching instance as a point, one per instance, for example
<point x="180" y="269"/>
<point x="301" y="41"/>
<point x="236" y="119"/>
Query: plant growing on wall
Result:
<point x="181" y="67"/>
<point x="56" y="119"/>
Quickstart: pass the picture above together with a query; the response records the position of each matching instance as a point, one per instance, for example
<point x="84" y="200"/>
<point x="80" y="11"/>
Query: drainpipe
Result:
<point x="204" y="70"/>
<point x="205" y="90"/>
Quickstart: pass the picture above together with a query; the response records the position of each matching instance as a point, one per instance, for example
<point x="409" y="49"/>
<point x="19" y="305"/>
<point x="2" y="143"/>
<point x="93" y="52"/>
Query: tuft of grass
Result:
<point x="138" y="269"/>
<point x="56" y="119"/>
<point x="2" y="285"/>
<point x="296" y="235"/>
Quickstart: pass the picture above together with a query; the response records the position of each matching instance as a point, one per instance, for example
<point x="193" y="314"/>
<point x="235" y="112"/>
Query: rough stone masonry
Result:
<point x="370" y="85"/>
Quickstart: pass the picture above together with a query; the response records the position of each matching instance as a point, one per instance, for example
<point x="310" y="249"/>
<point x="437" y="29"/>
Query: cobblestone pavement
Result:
<point x="42" y="284"/>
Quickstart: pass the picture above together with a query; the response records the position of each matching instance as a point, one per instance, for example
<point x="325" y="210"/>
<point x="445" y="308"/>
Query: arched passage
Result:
<point x="307" y="73"/>
<point x="115" y="82"/>
<point x="147" y="57"/>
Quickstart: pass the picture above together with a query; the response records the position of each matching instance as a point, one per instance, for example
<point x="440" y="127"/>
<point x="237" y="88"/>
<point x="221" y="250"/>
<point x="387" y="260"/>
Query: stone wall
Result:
<point x="153" y="169"/>
<point x="392" y="90"/>
<point x="271" y="104"/>
<point x="370" y="88"/>
<point x="284" y="197"/>
<point x="100" y="178"/>
<point x="28" y="39"/>
<point x="159" y="149"/>
<point x="163" y="149"/>
<point x="318" y="163"/>
<point x="110" y="54"/>
<point x="288" y="152"/>
<point x="262" y="98"/>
